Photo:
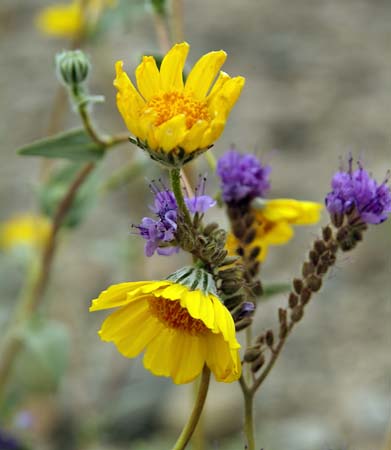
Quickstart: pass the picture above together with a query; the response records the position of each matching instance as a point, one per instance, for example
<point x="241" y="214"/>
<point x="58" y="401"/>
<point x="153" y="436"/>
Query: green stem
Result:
<point x="249" y="419"/>
<point x="175" y="176"/>
<point x="189" y="428"/>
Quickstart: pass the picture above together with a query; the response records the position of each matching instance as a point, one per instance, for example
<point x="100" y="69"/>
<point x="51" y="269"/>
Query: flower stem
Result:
<point x="175" y="176"/>
<point x="249" y="419"/>
<point x="189" y="428"/>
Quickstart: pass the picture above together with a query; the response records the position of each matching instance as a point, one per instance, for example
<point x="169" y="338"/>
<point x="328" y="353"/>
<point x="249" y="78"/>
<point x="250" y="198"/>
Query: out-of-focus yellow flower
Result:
<point x="69" y="20"/>
<point x="180" y="329"/>
<point x="274" y="220"/>
<point x="25" y="230"/>
<point x="173" y="120"/>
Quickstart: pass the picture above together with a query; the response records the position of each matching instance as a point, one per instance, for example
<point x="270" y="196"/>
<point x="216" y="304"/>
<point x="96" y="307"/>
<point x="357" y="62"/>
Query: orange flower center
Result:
<point x="171" y="313"/>
<point x="170" y="104"/>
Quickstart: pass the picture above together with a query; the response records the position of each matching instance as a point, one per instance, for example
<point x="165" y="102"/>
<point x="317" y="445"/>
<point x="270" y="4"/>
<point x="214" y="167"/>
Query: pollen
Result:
<point x="171" y="314"/>
<point x="170" y="104"/>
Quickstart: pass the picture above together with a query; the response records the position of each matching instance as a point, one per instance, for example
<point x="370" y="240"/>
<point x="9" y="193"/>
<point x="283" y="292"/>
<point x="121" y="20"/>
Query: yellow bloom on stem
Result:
<point x="274" y="220"/>
<point x="25" y="230"/>
<point x="69" y="19"/>
<point x="172" y="120"/>
<point x="180" y="329"/>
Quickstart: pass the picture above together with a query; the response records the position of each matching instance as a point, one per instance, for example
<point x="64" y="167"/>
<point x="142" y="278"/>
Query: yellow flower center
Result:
<point x="170" y="104"/>
<point x="174" y="316"/>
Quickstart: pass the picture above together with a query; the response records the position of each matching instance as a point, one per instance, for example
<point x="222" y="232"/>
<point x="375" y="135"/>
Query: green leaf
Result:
<point x="45" y="355"/>
<point x="270" y="290"/>
<point x="74" y="145"/>
<point x="54" y="190"/>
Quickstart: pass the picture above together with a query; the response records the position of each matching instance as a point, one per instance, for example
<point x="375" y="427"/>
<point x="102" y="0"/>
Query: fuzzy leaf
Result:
<point x="74" y="145"/>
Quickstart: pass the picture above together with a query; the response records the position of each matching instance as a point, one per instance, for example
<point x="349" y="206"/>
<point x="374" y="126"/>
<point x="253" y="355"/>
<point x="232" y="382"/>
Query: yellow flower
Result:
<point x="274" y="220"/>
<point x="173" y="120"/>
<point x="68" y="20"/>
<point x="180" y="329"/>
<point x="25" y="229"/>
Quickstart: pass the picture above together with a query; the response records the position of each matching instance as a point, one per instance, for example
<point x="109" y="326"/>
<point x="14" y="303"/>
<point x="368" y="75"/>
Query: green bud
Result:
<point x="72" y="67"/>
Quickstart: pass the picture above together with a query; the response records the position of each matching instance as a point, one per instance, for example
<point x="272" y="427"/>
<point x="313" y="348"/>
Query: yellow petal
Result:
<point x="222" y="361"/>
<point x="188" y="357"/>
<point x="225" y="324"/>
<point x="159" y="353"/>
<point x="193" y="137"/>
<point x="204" y="72"/>
<point x="171" y="133"/>
<point x="212" y="133"/>
<point x="221" y="80"/>
<point x="199" y="306"/>
<point x="114" y="296"/>
<point x="148" y="77"/>
<point x="276" y="234"/>
<point x="223" y="100"/>
<point x="293" y="211"/>
<point x="171" y="69"/>
<point x="129" y="101"/>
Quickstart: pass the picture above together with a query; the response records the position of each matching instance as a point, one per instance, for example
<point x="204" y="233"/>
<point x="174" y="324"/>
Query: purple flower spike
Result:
<point x="242" y="176"/>
<point x="356" y="189"/>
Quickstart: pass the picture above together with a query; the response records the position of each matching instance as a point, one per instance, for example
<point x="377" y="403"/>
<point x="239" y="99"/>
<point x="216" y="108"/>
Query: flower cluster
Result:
<point x="357" y="190"/>
<point x="256" y="222"/>
<point x="242" y="176"/>
<point x="160" y="233"/>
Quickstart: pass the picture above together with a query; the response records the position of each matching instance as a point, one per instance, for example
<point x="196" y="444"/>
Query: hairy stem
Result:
<point x="175" y="176"/>
<point x="190" y="426"/>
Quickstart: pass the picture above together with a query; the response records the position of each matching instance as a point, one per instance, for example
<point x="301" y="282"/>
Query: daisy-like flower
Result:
<point x="357" y="190"/>
<point x="24" y="230"/>
<point x="179" y="322"/>
<point x="69" y="20"/>
<point x="172" y="120"/>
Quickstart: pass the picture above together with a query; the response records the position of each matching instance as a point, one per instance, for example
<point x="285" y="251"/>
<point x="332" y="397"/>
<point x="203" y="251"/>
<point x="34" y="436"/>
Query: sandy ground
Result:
<point x="318" y="86"/>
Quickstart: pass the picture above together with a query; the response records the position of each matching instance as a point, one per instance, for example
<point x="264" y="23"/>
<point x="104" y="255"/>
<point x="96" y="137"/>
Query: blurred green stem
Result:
<point x="177" y="21"/>
<point x="198" y="439"/>
<point x="189" y="428"/>
<point x="37" y="284"/>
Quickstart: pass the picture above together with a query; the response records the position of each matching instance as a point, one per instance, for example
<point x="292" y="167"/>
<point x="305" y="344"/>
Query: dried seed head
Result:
<point x="305" y="296"/>
<point x="314" y="257"/>
<point x="297" y="285"/>
<point x="319" y="246"/>
<point x="252" y="353"/>
<point x="293" y="300"/>
<point x="307" y="269"/>
<point x="327" y="233"/>
<point x="269" y="338"/>
<point x="314" y="283"/>
<point x="258" y="363"/>
<point x="244" y="323"/>
<point x="297" y="313"/>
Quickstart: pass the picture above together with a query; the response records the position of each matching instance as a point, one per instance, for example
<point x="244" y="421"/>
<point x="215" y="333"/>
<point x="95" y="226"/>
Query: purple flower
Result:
<point x="242" y="176"/>
<point x="356" y="189"/>
<point x="160" y="233"/>
<point x="7" y="442"/>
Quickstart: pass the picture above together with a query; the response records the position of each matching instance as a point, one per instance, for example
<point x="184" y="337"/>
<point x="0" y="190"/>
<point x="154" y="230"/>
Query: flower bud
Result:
<point x="269" y="337"/>
<point x="252" y="353"/>
<point x="72" y="67"/>
<point x="258" y="363"/>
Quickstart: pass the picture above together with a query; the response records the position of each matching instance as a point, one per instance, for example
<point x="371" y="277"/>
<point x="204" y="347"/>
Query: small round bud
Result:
<point x="293" y="300"/>
<point x="314" y="283"/>
<point x="244" y="323"/>
<point x="72" y="67"/>
<point x="297" y="313"/>
<point x="250" y="236"/>
<point x="255" y="251"/>
<point x="314" y="257"/>
<point x="305" y="296"/>
<point x="307" y="269"/>
<point x="319" y="246"/>
<point x="327" y="233"/>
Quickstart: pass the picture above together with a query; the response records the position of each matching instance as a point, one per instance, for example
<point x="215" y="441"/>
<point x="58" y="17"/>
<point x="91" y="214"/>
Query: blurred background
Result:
<point x="318" y="86"/>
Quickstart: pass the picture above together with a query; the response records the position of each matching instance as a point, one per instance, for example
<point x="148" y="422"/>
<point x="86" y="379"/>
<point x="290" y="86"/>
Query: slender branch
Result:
<point x="34" y="297"/>
<point x="249" y="419"/>
<point x="189" y="428"/>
